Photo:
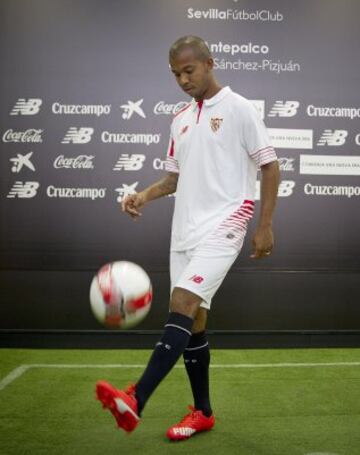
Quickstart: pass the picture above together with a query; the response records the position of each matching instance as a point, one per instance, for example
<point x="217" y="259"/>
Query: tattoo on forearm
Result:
<point x="168" y="184"/>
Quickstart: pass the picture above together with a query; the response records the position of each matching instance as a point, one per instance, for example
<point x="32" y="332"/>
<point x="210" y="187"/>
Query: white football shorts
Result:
<point x="201" y="270"/>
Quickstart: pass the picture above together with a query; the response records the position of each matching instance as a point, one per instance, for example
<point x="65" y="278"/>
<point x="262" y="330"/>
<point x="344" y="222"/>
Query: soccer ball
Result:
<point x="120" y="295"/>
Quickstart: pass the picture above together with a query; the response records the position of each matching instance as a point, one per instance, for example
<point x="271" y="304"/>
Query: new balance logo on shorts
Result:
<point x="29" y="107"/>
<point x="197" y="279"/>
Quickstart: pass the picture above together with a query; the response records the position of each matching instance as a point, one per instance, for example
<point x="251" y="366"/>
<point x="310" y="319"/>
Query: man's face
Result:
<point x="192" y="74"/>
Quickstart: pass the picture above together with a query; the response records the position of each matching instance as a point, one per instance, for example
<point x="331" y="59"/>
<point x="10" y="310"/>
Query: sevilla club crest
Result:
<point x="215" y="123"/>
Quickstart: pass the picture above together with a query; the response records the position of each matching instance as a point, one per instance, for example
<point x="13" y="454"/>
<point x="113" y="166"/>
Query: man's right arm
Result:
<point x="163" y="187"/>
<point x="167" y="185"/>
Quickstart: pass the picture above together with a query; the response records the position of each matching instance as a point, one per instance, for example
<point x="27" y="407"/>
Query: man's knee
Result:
<point x="200" y="321"/>
<point x="185" y="302"/>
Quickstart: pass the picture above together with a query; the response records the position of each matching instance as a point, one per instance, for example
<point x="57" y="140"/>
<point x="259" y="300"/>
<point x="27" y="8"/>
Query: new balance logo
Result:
<point x="197" y="279"/>
<point x="132" y="107"/>
<point x="24" y="190"/>
<point x="78" y="135"/>
<point x="26" y="107"/>
<point x="126" y="190"/>
<point x="286" y="189"/>
<point x="127" y="162"/>
<point x="284" y="109"/>
<point x="333" y="138"/>
<point x="20" y="161"/>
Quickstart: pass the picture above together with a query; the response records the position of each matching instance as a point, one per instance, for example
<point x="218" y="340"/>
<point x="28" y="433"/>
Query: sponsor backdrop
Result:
<point x="87" y="99"/>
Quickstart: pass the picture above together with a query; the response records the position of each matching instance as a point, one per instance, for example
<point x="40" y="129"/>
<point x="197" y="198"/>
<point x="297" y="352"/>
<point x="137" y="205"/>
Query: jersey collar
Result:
<point x="215" y="99"/>
<point x="218" y="97"/>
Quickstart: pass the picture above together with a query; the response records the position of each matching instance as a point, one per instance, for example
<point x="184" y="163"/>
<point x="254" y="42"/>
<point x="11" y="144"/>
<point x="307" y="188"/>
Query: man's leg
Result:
<point x="184" y="306"/>
<point x="126" y="406"/>
<point x="197" y="361"/>
<point x="203" y="275"/>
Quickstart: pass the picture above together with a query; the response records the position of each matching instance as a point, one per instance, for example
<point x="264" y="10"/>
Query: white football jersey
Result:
<point x="216" y="146"/>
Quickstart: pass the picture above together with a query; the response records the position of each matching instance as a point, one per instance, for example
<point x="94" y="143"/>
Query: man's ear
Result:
<point x="210" y="63"/>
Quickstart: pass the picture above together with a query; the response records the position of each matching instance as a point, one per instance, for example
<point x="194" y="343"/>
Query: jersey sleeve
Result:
<point x="171" y="163"/>
<point x="256" y="138"/>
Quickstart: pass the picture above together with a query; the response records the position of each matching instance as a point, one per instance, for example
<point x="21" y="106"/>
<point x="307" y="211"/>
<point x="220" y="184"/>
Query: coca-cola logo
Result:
<point x="78" y="162"/>
<point x="167" y="109"/>
<point x="286" y="164"/>
<point x="30" y="135"/>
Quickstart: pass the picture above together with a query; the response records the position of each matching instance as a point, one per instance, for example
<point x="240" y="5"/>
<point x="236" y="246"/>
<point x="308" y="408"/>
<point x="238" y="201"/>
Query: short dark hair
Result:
<point x="195" y="43"/>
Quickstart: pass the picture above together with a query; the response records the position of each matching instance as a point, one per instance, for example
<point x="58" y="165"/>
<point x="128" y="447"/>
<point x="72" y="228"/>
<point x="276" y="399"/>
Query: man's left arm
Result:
<point x="263" y="240"/>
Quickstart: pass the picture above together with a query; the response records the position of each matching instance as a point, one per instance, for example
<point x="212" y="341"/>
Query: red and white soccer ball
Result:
<point x="120" y="295"/>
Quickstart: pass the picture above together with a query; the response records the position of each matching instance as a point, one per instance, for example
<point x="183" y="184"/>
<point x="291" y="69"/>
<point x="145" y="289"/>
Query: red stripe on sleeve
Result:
<point x="171" y="151"/>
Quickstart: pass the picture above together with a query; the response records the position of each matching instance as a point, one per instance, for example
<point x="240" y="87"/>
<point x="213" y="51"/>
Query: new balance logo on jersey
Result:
<point x="284" y="109"/>
<point x="333" y="137"/>
<point x="215" y="123"/>
<point x="26" y="107"/>
<point x="20" y="161"/>
<point x="127" y="162"/>
<point x="126" y="190"/>
<point x="24" y="190"/>
<point x="132" y="107"/>
<point x="78" y="135"/>
<point x="197" y="279"/>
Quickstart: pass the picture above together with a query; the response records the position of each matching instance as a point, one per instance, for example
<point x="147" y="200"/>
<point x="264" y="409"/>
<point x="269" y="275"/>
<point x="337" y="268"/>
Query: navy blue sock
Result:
<point x="197" y="361"/>
<point x="166" y="353"/>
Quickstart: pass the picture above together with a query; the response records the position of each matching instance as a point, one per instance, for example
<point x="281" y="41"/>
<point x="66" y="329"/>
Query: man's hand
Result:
<point x="132" y="204"/>
<point x="263" y="242"/>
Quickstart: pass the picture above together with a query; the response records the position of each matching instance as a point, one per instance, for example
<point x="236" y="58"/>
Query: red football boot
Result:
<point x="192" y="423"/>
<point x="122" y="404"/>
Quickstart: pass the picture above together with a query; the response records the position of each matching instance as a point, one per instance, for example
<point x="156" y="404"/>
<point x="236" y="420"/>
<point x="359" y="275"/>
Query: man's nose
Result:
<point x="184" y="79"/>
